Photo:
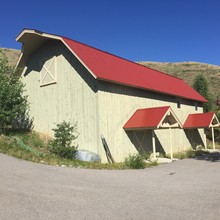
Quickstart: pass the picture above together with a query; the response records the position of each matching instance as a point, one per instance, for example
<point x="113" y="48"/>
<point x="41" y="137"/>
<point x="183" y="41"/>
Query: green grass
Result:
<point x="187" y="154"/>
<point x="32" y="147"/>
<point x="209" y="145"/>
<point x="135" y="161"/>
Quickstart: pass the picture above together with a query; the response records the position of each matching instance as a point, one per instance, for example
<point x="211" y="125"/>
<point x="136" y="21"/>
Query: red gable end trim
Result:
<point x="116" y="69"/>
<point x="200" y="120"/>
<point x="146" y="118"/>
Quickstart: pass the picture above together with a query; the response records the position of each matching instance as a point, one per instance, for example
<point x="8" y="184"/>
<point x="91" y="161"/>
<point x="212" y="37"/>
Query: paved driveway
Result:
<point x="186" y="189"/>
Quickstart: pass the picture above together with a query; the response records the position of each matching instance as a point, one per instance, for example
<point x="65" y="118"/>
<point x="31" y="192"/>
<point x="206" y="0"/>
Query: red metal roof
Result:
<point x="108" y="67"/>
<point x="200" y="120"/>
<point x="112" y="68"/>
<point x="146" y="118"/>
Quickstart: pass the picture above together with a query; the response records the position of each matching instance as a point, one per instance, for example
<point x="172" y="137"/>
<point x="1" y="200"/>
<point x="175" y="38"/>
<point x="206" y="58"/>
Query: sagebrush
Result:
<point x="135" y="161"/>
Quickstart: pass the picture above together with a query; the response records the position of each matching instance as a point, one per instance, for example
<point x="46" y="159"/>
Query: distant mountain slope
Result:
<point x="188" y="71"/>
<point x="184" y="70"/>
<point x="11" y="54"/>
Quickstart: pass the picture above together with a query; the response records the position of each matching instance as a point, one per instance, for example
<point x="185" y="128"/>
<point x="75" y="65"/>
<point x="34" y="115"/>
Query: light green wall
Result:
<point x="117" y="103"/>
<point x="99" y="108"/>
<point x="70" y="99"/>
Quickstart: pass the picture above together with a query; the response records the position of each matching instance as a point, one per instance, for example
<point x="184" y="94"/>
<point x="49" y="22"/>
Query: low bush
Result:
<point x="65" y="152"/>
<point x="187" y="154"/>
<point x="65" y="133"/>
<point x="13" y="145"/>
<point x="146" y="155"/>
<point x="135" y="161"/>
<point x="208" y="133"/>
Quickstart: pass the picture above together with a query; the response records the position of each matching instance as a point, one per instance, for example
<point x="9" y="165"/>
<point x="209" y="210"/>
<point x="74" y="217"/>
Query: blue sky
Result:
<point x="138" y="30"/>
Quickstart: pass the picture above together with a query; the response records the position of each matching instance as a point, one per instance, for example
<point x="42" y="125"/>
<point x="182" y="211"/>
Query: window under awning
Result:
<point x="202" y="120"/>
<point x="154" y="118"/>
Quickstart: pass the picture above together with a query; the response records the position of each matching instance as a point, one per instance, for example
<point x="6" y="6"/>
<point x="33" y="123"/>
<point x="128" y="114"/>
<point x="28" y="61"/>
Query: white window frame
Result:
<point x="47" y="71"/>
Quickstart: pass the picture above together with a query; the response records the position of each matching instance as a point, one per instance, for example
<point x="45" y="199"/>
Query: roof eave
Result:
<point x="24" y="55"/>
<point x="152" y="90"/>
<point x="139" y="128"/>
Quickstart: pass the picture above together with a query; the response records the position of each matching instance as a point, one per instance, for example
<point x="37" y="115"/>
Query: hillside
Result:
<point x="188" y="71"/>
<point x="184" y="70"/>
<point x="11" y="54"/>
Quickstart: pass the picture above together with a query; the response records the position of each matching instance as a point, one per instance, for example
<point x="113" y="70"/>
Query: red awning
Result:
<point x="201" y="120"/>
<point x="152" y="118"/>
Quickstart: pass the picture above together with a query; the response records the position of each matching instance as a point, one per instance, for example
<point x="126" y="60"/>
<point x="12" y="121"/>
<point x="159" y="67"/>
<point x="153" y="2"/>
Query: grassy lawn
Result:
<point x="209" y="144"/>
<point x="33" y="147"/>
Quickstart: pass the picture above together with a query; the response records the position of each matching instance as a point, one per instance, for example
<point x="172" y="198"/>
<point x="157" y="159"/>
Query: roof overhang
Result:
<point x="31" y="40"/>
<point x="153" y="118"/>
<point x="151" y="90"/>
<point x="108" y="67"/>
<point x="201" y="120"/>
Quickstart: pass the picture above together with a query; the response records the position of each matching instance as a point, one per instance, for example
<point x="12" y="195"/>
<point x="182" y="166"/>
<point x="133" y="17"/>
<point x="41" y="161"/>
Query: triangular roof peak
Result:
<point x="153" y="118"/>
<point x="201" y="120"/>
<point x="108" y="67"/>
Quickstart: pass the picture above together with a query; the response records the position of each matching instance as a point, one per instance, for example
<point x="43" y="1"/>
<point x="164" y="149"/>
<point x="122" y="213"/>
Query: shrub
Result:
<point x="65" y="133"/>
<point x="23" y="122"/>
<point x="146" y="155"/>
<point x="208" y="133"/>
<point x="202" y="87"/>
<point x="13" y="102"/>
<point x="187" y="154"/>
<point x="135" y="161"/>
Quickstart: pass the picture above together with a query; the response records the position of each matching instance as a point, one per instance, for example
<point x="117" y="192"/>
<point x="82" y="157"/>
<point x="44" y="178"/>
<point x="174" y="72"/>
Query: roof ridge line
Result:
<point x="111" y="54"/>
<point x="138" y="75"/>
<point x="133" y="62"/>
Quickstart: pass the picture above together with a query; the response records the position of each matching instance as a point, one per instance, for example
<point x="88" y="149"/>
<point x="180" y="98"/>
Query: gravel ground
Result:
<point x="185" y="189"/>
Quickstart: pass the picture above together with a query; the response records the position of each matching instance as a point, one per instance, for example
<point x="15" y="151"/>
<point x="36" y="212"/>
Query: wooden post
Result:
<point x="205" y="142"/>
<point x="153" y="142"/>
<point x="171" y="144"/>
<point x="213" y="138"/>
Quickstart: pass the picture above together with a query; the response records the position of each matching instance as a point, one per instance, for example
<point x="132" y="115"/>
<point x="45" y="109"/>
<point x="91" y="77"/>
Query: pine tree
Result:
<point x="201" y="86"/>
<point x="13" y="102"/>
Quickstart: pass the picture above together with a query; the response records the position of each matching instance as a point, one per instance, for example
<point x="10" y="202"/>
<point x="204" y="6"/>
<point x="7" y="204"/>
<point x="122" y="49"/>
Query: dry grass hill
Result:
<point x="11" y="54"/>
<point x="184" y="70"/>
<point x="189" y="70"/>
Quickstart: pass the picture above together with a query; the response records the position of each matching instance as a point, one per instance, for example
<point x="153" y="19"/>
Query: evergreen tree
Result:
<point x="13" y="102"/>
<point x="201" y="86"/>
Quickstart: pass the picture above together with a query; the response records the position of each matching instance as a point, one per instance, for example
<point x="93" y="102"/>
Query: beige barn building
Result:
<point x="135" y="108"/>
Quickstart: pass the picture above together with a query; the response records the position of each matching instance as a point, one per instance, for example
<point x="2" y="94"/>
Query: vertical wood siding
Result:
<point x="72" y="98"/>
<point x="117" y="103"/>
<point x="99" y="108"/>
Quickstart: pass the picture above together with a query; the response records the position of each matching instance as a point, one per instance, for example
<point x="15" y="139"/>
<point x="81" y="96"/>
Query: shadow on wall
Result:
<point x="194" y="138"/>
<point x="142" y="140"/>
<point x="55" y="48"/>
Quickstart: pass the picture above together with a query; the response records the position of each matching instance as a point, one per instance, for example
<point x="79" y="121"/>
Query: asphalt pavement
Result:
<point x="185" y="189"/>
